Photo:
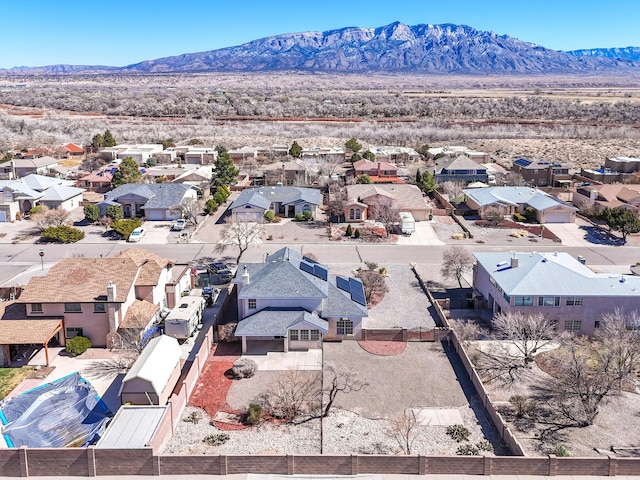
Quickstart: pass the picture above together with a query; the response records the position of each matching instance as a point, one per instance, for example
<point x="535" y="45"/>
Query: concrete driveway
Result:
<point x="571" y="234"/>
<point x="424" y="235"/>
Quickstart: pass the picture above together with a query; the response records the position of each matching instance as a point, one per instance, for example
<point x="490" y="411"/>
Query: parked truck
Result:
<point x="185" y="317"/>
<point x="407" y="223"/>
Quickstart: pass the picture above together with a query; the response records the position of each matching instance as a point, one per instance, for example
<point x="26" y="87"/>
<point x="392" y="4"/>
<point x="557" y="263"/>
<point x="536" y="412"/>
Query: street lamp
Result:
<point x="41" y="253"/>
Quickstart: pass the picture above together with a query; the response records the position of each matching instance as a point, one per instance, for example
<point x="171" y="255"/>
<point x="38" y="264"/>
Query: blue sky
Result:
<point x="121" y="32"/>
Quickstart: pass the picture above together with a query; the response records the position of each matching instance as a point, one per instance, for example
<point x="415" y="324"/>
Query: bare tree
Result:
<point x="340" y="382"/>
<point x="291" y="394"/>
<point x="337" y="200"/>
<point x="374" y="284"/>
<point x="190" y="209"/>
<point x="456" y="261"/>
<point x="454" y="190"/>
<point x="105" y="221"/>
<point x="128" y="347"/>
<point x="386" y="212"/>
<point x="240" y="235"/>
<point x="404" y="430"/>
<point x="47" y="217"/>
<point x="619" y="339"/>
<point x="512" y="179"/>
<point x="494" y="217"/>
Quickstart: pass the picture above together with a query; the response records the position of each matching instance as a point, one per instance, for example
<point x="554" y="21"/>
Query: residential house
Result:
<point x="379" y="172"/>
<point x="459" y="169"/>
<point x="395" y="155"/>
<point x="154" y="201"/>
<point x="323" y="155"/>
<point x="509" y="200"/>
<point x="554" y="284"/>
<point x="99" y="182"/>
<point x="16" y="196"/>
<point x="241" y="155"/>
<point x="100" y="297"/>
<point x="21" y="167"/>
<point x="615" y="170"/>
<point x="141" y="153"/>
<point x="600" y="197"/>
<point x="362" y="199"/>
<point x="200" y="156"/>
<point x="287" y="202"/>
<point x="539" y="173"/>
<point x="293" y="173"/>
<point x="61" y="196"/>
<point x="293" y="303"/>
<point x="623" y="164"/>
<point x="456" y="151"/>
<point x="71" y="150"/>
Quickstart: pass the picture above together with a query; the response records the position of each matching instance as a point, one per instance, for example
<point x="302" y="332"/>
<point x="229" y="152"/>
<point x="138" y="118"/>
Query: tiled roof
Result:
<point x="82" y="280"/>
<point x="97" y="177"/>
<point x="73" y="148"/>
<point x="139" y="314"/>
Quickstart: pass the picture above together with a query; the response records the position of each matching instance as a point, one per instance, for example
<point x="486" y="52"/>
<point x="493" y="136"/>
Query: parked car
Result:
<point x="136" y="235"/>
<point x="215" y="267"/>
<point x="179" y="225"/>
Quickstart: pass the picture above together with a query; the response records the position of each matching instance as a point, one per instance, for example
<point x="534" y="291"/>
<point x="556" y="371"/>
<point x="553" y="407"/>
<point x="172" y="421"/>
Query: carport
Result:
<point x="27" y="332"/>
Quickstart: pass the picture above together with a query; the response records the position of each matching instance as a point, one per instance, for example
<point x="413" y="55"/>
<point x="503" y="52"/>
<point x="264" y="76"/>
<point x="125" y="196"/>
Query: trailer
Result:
<point x="407" y="223"/>
<point x="185" y="317"/>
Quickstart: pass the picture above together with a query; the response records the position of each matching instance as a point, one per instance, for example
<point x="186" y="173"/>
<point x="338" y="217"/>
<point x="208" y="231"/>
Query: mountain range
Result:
<point x="433" y="49"/>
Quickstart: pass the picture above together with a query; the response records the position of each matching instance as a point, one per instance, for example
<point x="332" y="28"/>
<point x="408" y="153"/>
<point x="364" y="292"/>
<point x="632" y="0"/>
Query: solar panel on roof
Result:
<point x="320" y="272"/>
<point x="306" y="267"/>
<point x="343" y="284"/>
<point x="357" y="291"/>
<point x="308" y="260"/>
<point x="522" y="162"/>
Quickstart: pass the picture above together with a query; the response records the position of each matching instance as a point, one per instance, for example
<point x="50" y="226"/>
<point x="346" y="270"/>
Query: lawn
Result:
<point x="11" y="377"/>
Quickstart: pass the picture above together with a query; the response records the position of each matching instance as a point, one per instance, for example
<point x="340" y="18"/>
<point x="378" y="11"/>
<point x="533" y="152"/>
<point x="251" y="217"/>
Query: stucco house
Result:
<point x="21" y="167"/>
<point x="99" y="297"/>
<point x="459" y="169"/>
<point x="16" y="196"/>
<point x="379" y="172"/>
<point x="293" y="173"/>
<point x="99" y="182"/>
<point x="287" y="202"/>
<point x="62" y="196"/>
<point x="292" y="302"/>
<point x="600" y="197"/>
<point x="509" y="200"/>
<point x="542" y="173"/>
<point x="555" y="284"/>
<point x="363" y="198"/>
<point x="154" y="201"/>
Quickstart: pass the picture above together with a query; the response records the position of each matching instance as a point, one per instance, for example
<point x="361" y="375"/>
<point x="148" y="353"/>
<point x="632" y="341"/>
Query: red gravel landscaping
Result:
<point x="382" y="348"/>
<point x="213" y="386"/>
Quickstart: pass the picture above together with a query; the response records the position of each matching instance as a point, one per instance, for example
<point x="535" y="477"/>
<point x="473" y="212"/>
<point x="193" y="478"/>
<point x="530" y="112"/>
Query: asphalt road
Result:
<point x="16" y="259"/>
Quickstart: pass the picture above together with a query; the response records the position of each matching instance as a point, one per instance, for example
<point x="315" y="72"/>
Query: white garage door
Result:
<point x="3" y="216"/>
<point x="557" y="218"/>
<point x="247" y="216"/>
<point x="153" y="214"/>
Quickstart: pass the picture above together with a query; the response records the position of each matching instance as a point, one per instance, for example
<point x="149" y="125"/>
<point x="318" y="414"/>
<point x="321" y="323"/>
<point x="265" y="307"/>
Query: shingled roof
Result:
<point x="151" y="263"/>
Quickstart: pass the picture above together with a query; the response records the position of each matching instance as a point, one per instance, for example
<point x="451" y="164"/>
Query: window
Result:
<point x="548" y="301"/>
<point x="352" y="214"/>
<point x="36" y="308"/>
<point x="315" y="335"/>
<point x="293" y="335"/>
<point x="358" y="214"/>
<point x="253" y="303"/>
<point x="290" y="183"/>
<point x="596" y="324"/>
<point x="345" y="327"/>
<point x="99" y="307"/>
<point x="304" y="335"/>
<point x="523" y="301"/>
<point x="72" y="332"/>
<point x="72" y="308"/>
<point x="573" y="325"/>
<point x="574" y="301"/>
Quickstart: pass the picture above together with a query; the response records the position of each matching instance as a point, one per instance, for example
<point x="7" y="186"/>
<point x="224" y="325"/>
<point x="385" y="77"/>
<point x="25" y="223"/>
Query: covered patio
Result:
<point x="27" y="332"/>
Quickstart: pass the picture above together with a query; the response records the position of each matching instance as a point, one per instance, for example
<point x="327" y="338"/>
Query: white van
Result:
<point x="185" y="317"/>
<point x="407" y="223"/>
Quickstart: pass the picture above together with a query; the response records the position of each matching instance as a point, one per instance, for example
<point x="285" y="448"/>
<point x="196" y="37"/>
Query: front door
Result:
<point x="291" y="211"/>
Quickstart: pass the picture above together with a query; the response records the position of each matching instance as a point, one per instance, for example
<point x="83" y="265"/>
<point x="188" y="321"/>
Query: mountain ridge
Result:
<point x="393" y="48"/>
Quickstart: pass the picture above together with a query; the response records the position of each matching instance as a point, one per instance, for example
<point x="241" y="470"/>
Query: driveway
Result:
<point x="573" y="234"/>
<point x="424" y="235"/>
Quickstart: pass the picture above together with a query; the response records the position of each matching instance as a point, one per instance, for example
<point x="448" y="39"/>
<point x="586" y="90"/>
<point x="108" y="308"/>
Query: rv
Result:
<point x="185" y="317"/>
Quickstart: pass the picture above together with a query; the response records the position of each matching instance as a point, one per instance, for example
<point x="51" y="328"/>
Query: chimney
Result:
<point x="514" y="261"/>
<point x="245" y="276"/>
<point x="111" y="292"/>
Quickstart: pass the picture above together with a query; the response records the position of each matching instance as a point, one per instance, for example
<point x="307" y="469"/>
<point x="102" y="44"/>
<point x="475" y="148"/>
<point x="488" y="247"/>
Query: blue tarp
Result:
<point x="64" y="413"/>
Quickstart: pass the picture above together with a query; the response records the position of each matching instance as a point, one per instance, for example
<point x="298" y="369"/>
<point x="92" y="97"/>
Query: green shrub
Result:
<point x="210" y="206"/>
<point x="62" y="234"/>
<point x="530" y="214"/>
<point x="484" y="446"/>
<point x="559" y="450"/>
<point x="78" y="345"/>
<point x="216" y="439"/>
<point x="125" y="227"/>
<point x="349" y="231"/>
<point x="467" y="449"/>
<point x="219" y="198"/>
<point x="254" y="414"/>
<point x="91" y="213"/>
<point x="356" y="234"/>
<point x="458" y="432"/>
<point x="299" y="217"/>
<point x="269" y="216"/>
<point x="114" y="212"/>
<point x="193" y="417"/>
<point x="38" y="209"/>
<point x="519" y="218"/>
<point x="307" y="215"/>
